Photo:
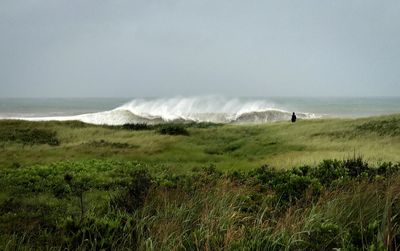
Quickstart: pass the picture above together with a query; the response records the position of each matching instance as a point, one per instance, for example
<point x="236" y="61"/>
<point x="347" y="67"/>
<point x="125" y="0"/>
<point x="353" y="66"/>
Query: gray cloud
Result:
<point x="231" y="47"/>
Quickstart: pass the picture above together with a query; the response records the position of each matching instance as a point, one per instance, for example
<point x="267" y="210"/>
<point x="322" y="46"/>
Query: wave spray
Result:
<point x="213" y="109"/>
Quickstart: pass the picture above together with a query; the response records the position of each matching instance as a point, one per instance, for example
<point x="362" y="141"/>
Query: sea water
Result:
<point x="216" y="109"/>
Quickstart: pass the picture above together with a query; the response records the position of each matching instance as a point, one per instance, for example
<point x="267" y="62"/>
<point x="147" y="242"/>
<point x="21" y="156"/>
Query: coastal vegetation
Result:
<point x="313" y="185"/>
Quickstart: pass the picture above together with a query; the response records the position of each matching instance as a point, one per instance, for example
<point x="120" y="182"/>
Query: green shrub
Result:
<point x="262" y="209"/>
<point x="252" y="203"/>
<point x="103" y="143"/>
<point x="73" y="124"/>
<point x="328" y="171"/>
<point x="213" y="150"/>
<point x="387" y="169"/>
<point x="17" y="216"/>
<point x="29" y="136"/>
<point x="294" y="188"/>
<point x="202" y="125"/>
<point x="132" y="197"/>
<point x="173" y="129"/>
<point x="356" y="166"/>
<point x="98" y="233"/>
<point x="233" y="146"/>
<point x="137" y="127"/>
<point x="324" y="236"/>
<point x="289" y="185"/>
<point x="100" y="175"/>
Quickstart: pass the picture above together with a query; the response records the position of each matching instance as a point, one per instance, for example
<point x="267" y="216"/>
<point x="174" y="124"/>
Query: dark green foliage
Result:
<point x="132" y="197"/>
<point x="144" y="126"/>
<point x="17" y="216"/>
<point x="214" y="150"/>
<point x="137" y="127"/>
<point x="73" y="124"/>
<point x="173" y="129"/>
<point x="355" y="166"/>
<point x="103" y="143"/>
<point x="211" y="170"/>
<point x="104" y="233"/>
<point x="324" y="236"/>
<point x="237" y="177"/>
<point x="96" y="205"/>
<point x="306" y="183"/>
<point x="387" y="169"/>
<point x="366" y="235"/>
<point x="294" y="187"/>
<point x="98" y="174"/>
<point x="15" y="165"/>
<point x="289" y="186"/>
<point x="29" y="136"/>
<point x="233" y="146"/>
<point x="202" y="177"/>
<point x="202" y="125"/>
<point x="252" y="203"/>
<point x="329" y="170"/>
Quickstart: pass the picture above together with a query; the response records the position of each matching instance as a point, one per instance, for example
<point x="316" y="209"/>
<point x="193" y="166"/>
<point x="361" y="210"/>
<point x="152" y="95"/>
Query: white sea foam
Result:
<point x="183" y="109"/>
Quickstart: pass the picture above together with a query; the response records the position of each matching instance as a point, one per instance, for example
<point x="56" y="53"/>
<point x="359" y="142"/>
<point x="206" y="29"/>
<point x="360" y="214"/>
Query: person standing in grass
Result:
<point x="294" y="117"/>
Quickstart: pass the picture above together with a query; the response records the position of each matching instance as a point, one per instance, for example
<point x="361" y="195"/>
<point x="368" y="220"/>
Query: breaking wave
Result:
<point x="196" y="109"/>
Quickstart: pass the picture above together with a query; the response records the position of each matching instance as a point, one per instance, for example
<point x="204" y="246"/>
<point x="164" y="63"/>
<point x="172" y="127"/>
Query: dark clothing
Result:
<point x="294" y="118"/>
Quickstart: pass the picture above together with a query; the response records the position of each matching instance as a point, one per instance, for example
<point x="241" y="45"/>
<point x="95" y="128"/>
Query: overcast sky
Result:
<point x="125" y="48"/>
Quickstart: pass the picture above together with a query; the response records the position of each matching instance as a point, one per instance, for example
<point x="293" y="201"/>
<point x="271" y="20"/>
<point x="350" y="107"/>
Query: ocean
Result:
<point x="115" y="111"/>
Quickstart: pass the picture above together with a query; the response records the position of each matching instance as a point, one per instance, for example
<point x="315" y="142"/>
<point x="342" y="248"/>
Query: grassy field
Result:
<point x="312" y="185"/>
<point x="228" y="147"/>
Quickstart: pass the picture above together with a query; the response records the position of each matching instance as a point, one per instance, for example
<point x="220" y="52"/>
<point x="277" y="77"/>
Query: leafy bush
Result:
<point x="119" y="206"/>
<point x="294" y="188"/>
<point x="18" y="216"/>
<point x="103" y="143"/>
<point x="101" y="175"/>
<point x="387" y="169"/>
<point x="134" y="194"/>
<point x="73" y="124"/>
<point x="324" y="236"/>
<point x="289" y="186"/>
<point x="213" y="150"/>
<point x="328" y="171"/>
<point x="233" y="146"/>
<point x="202" y="125"/>
<point x="145" y="126"/>
<point x="173" y="129"/>
<point x="355" y="166"/>
<point x="137" y="127"/>
<point x="29" y="136"/>
<point x="103" y="232"/>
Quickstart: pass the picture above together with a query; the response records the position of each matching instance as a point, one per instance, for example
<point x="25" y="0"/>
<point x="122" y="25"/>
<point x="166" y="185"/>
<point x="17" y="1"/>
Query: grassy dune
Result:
<point x="228" y="147"/>
<point x="313" y="185"/>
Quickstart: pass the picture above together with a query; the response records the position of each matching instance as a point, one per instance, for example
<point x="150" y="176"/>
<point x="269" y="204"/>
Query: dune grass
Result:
<point x="312" y="185"/>
<point x="227" y="147"/>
